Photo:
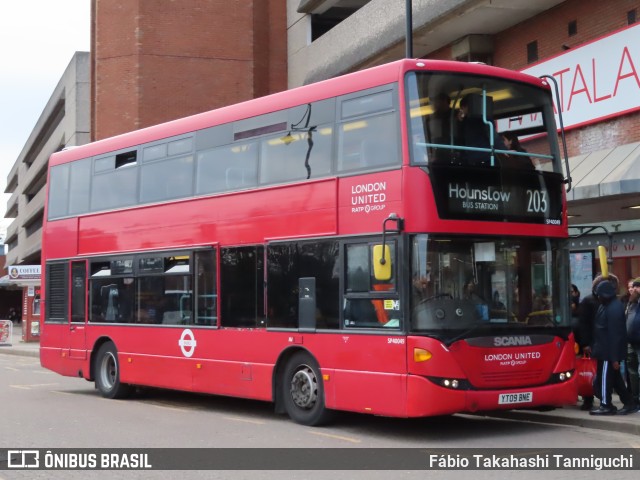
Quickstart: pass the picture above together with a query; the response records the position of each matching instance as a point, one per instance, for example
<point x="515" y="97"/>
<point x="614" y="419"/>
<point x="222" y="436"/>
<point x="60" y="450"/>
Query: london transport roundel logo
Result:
<point x="187" y="343"/>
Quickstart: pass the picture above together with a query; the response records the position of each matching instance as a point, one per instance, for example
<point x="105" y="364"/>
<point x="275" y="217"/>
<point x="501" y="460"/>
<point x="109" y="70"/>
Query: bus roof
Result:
<point x="351" y="82"/>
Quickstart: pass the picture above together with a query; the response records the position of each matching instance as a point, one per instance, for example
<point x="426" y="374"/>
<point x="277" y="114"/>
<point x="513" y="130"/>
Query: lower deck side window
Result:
<point x="160" y="289"/>
<point x="242" y="287"/>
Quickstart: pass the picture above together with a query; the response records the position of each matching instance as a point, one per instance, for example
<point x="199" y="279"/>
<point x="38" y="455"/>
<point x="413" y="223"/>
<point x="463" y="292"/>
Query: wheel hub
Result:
<point x="109" y="370"/>
<point x="304" y="391"/>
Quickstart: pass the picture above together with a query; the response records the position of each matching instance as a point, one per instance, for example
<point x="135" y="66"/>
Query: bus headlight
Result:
<point x="562" y="376"/>
<point x="450" y="383"/>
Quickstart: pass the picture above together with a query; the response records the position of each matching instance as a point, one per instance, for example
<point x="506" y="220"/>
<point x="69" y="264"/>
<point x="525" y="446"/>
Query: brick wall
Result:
<point x="595" y="19"/>
<point x="157" y="60"/>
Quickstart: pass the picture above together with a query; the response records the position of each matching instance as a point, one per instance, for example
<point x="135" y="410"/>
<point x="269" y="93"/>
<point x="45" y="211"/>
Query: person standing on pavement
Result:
<point x="633" y="339"/>
<point x="574" y="297"/>
<point x="587" y="310"/>
<point x="13" y="315"/>
<point x="609" y="349"/>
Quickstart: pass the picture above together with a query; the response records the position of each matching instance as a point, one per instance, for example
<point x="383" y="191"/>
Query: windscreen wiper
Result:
<point x="477" y="326"/>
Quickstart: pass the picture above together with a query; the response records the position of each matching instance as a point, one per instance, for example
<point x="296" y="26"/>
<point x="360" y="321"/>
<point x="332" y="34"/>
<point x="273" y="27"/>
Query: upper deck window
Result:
<point x="367" y="104"/>
<point x="154" y="152"/>
<point x="59" y="186"/>
<point x="167" y="179"/>
<point x="227" y="168"/>
<point x="468" y="120"/>
<point x="342" y="135"/>
<point x="79" y="187"/>
<point x="114" y="188"/>
<point x="126" y="159"/>
<point x="299" y="155"/>
<point x="368" y="131"/>
<point x="179" y="147"/>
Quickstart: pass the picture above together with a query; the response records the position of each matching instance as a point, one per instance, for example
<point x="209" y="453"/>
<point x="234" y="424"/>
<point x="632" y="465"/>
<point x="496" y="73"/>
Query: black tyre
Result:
<point x="303" y="391"/>
<point x="107" y="373"/>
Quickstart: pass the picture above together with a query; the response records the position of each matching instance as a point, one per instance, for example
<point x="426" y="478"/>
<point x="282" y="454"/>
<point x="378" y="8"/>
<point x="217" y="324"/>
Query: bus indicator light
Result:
<point x="421" y="355"/>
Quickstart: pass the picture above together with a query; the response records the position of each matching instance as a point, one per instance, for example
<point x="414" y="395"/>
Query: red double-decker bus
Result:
<point x="372" y="243"/>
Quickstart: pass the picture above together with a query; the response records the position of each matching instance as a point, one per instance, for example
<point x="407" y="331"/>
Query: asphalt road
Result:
<point x="45" y="410"/>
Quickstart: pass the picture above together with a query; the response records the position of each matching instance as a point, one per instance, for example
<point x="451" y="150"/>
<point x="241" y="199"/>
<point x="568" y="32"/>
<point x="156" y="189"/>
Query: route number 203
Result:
<point x="537" y="201"/>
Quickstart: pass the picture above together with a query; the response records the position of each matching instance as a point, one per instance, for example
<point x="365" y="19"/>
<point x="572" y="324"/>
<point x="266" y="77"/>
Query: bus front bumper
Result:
<point x="425" y="398"/>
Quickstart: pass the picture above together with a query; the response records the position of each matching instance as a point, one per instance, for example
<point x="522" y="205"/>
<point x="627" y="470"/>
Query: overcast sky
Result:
<point x="37" y="41"/>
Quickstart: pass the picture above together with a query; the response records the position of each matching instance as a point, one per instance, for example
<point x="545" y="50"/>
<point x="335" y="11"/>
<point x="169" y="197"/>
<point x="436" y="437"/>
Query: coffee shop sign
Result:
<point x="24" y="272"/>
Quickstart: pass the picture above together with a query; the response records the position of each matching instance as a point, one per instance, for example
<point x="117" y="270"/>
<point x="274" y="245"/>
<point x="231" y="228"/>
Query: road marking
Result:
<point x="167" y="407"/>
<point x="173" y="405"/>
<point x="61" y="392"/>
<point x="11" y="368"/>
<point x="338" y="437"/>
<point x="29" y="387"/>
<point x="246" y="420"/>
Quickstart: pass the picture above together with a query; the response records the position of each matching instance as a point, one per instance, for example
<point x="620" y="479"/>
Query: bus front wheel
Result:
<point x="303" y="391"/>
<point x="107" y="373"/>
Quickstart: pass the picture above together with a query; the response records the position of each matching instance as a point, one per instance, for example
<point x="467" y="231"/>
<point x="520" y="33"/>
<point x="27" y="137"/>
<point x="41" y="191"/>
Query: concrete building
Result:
<point x="589" y="46"/>
<point x="64" y="122"/>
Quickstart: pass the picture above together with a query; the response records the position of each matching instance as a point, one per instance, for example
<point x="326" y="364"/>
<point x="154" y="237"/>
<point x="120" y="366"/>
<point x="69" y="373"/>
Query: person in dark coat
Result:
<point x="633" y="337"/>
<point x="609" y="349"/>
<point x="13" y="315"/>
<point x="587" y="310"/>
<point x="440" y="125"/>
<point x="511" y="142"/>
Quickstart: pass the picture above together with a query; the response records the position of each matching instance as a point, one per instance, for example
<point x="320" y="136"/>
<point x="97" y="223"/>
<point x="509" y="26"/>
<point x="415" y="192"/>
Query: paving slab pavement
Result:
<point x="18" y="347"/>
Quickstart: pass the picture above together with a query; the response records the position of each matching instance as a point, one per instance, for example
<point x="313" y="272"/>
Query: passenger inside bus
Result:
<point x="542" y="300"/>
<point x="470" y="294"/>
<point x="423" y="287"/>
<point x="110" y="302"/>
<point x="474" y="132"/>
<point x="359" y="311"/>
<point x="515" y="161"/>
<point x="441" y="126"/>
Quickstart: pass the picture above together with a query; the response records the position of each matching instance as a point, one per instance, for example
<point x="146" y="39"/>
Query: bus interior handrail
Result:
<point x="485" y="150"/>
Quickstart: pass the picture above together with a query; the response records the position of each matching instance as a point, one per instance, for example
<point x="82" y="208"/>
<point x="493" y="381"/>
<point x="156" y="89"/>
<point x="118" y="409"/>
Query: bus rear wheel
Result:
<point x="107" y="373"/>
<point x="303" y="391"/>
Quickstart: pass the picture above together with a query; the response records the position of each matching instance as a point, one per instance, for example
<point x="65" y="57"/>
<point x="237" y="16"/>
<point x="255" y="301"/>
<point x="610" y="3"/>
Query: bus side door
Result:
<point x="77" y="324"/>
